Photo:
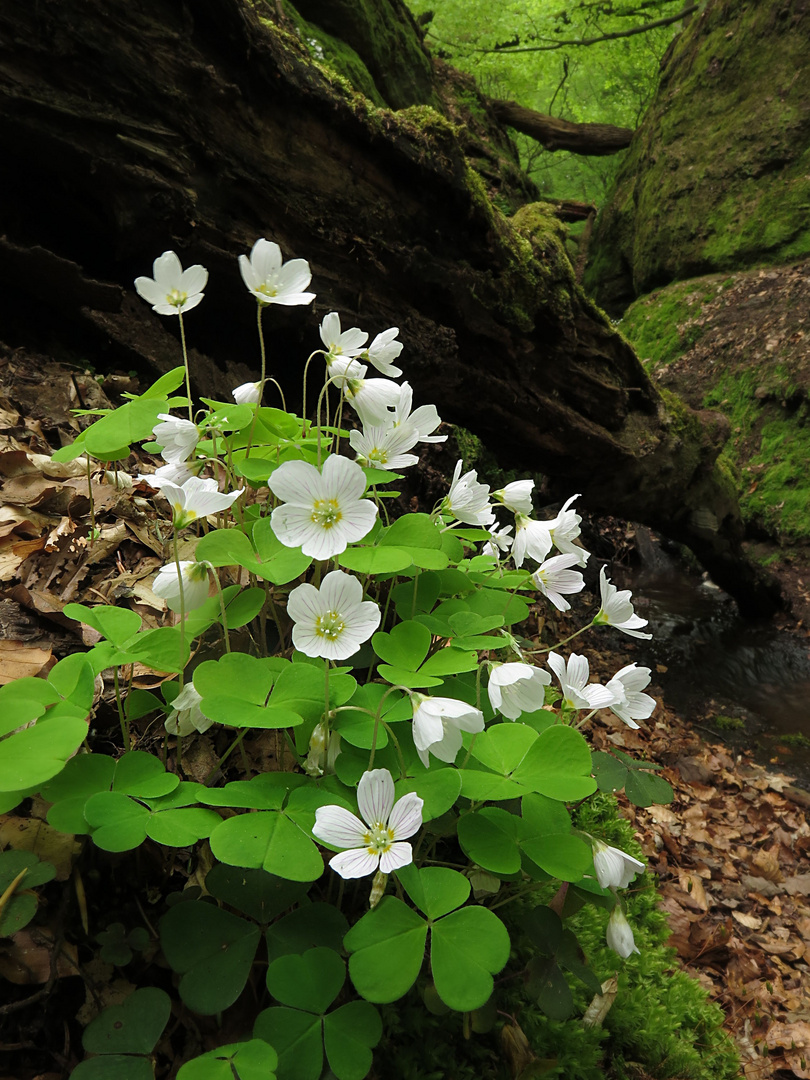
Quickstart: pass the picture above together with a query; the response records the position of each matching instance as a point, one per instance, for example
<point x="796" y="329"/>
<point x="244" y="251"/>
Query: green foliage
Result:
<point x="522" y="52"/>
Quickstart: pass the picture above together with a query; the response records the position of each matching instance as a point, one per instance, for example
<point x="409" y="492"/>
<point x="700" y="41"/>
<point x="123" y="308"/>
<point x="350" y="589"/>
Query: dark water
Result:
<point x="718" y="664"/>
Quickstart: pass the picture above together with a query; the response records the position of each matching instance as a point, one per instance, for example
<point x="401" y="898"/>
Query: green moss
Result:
<point x="666" y="323"/>
<point x="729" y="723"/>
<point x="796" y="739"/>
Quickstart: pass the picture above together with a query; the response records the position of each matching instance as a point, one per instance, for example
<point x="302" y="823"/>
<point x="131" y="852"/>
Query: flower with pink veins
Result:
<point x="379" y="841"/>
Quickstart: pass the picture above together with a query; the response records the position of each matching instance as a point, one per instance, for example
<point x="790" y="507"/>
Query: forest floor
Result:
<point x="732" y="851"/>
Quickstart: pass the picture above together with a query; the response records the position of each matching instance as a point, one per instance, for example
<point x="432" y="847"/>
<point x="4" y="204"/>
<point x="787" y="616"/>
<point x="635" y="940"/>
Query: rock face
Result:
<point x="718" y="174"/>
<point x="139" y="127"/>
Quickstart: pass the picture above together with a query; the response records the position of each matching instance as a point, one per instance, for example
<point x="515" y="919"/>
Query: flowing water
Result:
<point x="717" y="664"/>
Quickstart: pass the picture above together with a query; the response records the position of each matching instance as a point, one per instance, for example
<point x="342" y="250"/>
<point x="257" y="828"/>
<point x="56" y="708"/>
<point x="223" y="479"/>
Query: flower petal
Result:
<point x="397" y="856"/>
<point x="354" y="864"/>
<point x="406" y="817"/>
<point x="375" y="796"/>
<point x="337" y="826"/>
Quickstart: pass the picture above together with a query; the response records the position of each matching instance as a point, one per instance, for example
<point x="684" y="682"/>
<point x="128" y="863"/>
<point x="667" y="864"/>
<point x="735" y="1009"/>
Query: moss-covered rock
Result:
<point x="718" y="175"/>
<point x="383" y="37"/>
<point x="738" y="344"/>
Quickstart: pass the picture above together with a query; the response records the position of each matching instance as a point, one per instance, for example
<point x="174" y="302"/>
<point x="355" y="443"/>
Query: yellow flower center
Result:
<point x="330" y="625"/>
<point x="267" y="290"/>
<point x="379" y="455"/>
<point x="326" y="513"/>
<point x="378" y="839"/>
<point x="176" y="298"/>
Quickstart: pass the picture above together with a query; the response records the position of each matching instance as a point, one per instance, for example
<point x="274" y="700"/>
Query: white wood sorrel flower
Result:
<point x="555" y="577"/>
<point x="341" y="343"/>
<point x="516" y="496"/>
<point x="172" y="290"/>
<point x="186" y="715"/>
<point x="616" y="609"/>
<point x="573" y="679"/>
<point x="321" y="512"/>
<point x="383" y="349"/>
<point x="517" y="688"/>
<point x="615" y="869"/>
<point x="178" y="438"/>
<point x="378" y="841"/>
<point x="196" y="498"/>
<point x="195" y="585"/>
<point x="438" y="723"/>
<point x="468" y="499"/>
<point x="636" y="706"/>
<point x="273" y="282"/>
<point x="247" y="393"/>
<point x="620" y="934"/>
<point x="333" y="621"/>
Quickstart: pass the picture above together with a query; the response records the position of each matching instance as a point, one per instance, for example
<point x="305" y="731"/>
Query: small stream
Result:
<point x="718" y="664"/>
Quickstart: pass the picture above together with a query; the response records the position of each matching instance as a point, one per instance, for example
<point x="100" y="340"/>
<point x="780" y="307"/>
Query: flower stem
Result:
<point x="185" y="365"/>
<point x="262" y="380"/>
<point x="182" y="611"/>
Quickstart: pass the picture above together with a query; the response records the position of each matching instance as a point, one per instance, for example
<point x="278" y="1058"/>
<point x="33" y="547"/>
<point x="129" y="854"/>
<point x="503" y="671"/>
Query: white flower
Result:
<point x="438" y="723"/>
<point x="332" y="621"/>
<point x="379" y="839"/>
<point x="195" y="585"/>
<point x="186" y="715"/>
<point x="173" y="289"/>
<point x="616" y="609"/>
<point x="347" y="343"/>
<point x="385" y="447"/>
<point x="195" y="499"/>
<point x="383" y="349"/>
<point x="424" y="419"/>
<point x="170" y="473"/>
<point x="636" y="706"/>
<point x="372" y="399"/>
<point x="274" y="282"/>
<point x="554" y="578"/>
<point x="532" y="538"/>
<point x="468" y="500"/>
<point x="324" y="747"/>
<point x="499" y="540"/>
<point x="573" y="680"/>
<point x="516" y="496"/>
<point x="178" y="438"/>
<point x="615" y="869"/>
<point x="565" y="529"/>
<point x="322" y="512"/>
<point x="619" y="934"/>
<point x="247" y="393"/>
<point x="517" y="688"/>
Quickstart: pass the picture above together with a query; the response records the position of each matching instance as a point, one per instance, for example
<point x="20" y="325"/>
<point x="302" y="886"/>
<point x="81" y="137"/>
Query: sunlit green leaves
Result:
<point x="251" y="1060"/>
<point x="518" y="760"/>
<point x="467" y="946"/>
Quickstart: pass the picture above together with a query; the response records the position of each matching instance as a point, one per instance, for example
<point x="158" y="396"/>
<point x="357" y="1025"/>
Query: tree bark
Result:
<point x="139" y="127"/>
<point x="591" y="140"/>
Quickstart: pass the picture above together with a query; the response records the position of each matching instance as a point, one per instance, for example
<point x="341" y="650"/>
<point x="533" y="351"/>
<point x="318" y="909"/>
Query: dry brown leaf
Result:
<point x="26" y="959"/>
<point x="753" y="922"/>
<point x="694" y="893"/>
<point x="799" y="884"/>
<point x="18" y="660"/>
<point x="766" y="864"/>
<point x="601" y="1003"/>
<point x="50" y="845"/>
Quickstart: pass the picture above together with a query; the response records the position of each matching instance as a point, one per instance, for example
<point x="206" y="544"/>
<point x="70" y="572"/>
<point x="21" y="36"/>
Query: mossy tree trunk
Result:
<point x="138" y="127"/>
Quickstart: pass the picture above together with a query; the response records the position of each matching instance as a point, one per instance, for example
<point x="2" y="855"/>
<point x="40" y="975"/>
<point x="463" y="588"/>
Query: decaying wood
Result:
<point x="593" y="140"/>
<point x="142" y="127"/>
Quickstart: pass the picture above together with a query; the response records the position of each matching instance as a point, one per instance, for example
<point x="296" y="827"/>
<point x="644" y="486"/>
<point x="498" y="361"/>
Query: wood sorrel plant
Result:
<point x="428" y="754"/>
